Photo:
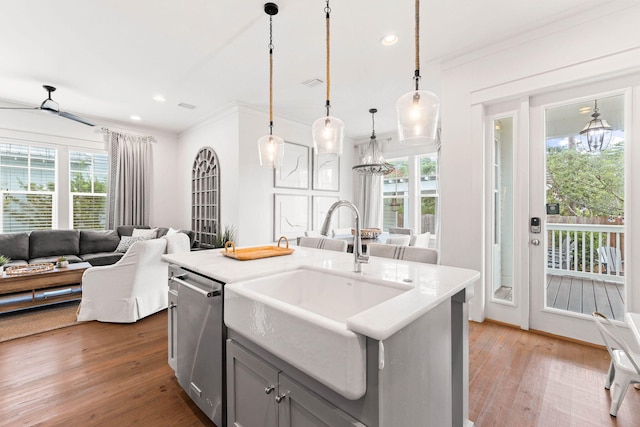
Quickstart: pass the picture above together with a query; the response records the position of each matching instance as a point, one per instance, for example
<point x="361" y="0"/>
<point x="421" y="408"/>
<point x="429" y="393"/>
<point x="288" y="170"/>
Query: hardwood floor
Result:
<point x="94" y="374"/>
<point x="526" y="379"/>
<point x="99" y="374"/>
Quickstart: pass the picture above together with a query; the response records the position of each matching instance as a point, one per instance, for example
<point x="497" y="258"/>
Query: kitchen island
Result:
<point x="415" y="346"/>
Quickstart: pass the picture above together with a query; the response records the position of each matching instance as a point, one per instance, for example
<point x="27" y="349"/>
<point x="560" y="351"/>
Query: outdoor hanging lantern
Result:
<point x="596" y="134"/>
<point x="271" y="147"/>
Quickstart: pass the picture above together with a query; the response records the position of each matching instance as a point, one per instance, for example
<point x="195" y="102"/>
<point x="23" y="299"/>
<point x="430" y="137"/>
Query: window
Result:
<point x="28" y="187"/>
<point x="88" y="188"/>
<point x="410" y="194"/>
<point x="428" y="193"/>
<point x="395" y="189"/>
<point x="205" y="198"/>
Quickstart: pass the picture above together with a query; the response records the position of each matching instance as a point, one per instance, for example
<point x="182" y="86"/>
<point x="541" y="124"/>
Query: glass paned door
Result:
<point x="577" y="190"/>
<point x="584" y="206"/>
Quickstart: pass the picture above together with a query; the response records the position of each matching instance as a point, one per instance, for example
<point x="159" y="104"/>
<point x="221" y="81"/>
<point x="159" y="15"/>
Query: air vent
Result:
<point x="187" y="106"/>
<point x="312" y="82"/>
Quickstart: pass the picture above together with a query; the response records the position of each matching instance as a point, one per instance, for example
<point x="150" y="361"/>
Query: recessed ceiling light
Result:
<point x="159" y="98"/>
<point x="136" y="118"/>
<point x="389" y="40"/>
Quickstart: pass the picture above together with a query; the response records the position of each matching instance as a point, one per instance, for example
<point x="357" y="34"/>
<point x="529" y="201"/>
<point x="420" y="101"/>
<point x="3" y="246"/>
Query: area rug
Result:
<point x="35" y="320"/>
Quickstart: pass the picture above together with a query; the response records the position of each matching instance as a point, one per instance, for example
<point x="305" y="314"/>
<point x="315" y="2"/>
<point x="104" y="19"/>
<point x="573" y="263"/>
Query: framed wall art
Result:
<point x="294" y="172"/>
<point x="326" y="172"/>
<point x="291" y="215"/>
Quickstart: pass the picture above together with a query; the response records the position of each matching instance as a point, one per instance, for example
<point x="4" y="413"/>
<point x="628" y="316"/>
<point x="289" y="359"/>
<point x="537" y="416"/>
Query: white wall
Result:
<point x="43" y="127"/>
<point x="593" y="47"/>
<point x="221" y="134"/>
<point x="247" y="188"/>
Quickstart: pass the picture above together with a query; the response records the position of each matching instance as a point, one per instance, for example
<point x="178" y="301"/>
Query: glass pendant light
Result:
<point x="418" y="110"/>
<point x="596" y="134"/>
<point x="271" y="147"/>
<point x="372" y="162"/>
<point x="328" y="132"/>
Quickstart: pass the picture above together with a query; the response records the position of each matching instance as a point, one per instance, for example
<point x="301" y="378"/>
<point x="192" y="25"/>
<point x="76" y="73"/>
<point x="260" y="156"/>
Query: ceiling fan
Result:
<point x="51" y="106"/>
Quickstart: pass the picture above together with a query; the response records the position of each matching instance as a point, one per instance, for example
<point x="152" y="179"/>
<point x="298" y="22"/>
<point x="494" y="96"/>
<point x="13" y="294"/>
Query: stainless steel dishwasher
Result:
<point x="196" y="339"/>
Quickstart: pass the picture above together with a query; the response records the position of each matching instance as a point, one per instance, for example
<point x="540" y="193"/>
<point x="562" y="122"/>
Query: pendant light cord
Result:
<point x="373" y="123"/>
<point x="327" y="11"/>
<point x="416" y="76"/>
<point x="270" y="75"/>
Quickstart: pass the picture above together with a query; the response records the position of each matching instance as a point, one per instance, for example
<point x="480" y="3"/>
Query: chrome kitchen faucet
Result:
<point x="359" y="257"/>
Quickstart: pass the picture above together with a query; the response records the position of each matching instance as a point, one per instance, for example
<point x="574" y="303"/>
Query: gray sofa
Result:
<point x="96" y="247"/>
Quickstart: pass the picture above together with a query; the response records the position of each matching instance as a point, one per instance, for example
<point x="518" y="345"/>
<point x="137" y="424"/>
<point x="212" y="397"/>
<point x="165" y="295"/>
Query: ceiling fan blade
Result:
<point x="76" y="118"/>
<point x="19" y="108"/>
<point x="51" y="106"/>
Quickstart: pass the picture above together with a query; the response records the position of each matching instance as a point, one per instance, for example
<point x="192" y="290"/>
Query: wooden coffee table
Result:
<point x="50" y="287"/>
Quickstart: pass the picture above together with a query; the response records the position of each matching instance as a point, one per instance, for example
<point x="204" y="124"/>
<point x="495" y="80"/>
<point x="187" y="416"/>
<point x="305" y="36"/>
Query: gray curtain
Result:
<point x="369" y="196"/>
<point x="370" y="200"/>
<point x="130" y="159"/>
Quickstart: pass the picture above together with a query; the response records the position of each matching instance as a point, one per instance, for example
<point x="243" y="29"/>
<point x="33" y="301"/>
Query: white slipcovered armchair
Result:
<point x="132" y="288"/>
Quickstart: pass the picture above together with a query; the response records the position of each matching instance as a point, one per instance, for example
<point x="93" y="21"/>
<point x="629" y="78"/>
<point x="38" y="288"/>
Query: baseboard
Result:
<point x="546" y="334"/>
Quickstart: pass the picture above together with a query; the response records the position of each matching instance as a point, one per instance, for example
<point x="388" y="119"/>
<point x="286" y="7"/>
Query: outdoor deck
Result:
<point x="584" y="295"/>
<point x="580" y="295"/>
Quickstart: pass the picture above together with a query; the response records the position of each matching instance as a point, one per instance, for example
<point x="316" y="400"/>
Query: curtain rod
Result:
<point x="110" y="131"/>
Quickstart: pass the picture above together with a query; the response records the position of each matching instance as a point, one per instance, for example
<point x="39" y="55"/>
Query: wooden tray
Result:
<point x="246" y="254"/>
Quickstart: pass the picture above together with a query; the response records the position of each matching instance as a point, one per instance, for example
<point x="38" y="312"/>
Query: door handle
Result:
<point x="207" y="294"/>
<point x="535" y="242"/>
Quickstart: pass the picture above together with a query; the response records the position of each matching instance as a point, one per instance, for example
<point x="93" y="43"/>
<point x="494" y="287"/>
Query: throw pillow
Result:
<point x="172" y="231"/>
<point x="127" y="241"/>
<point x="150" y="233"/>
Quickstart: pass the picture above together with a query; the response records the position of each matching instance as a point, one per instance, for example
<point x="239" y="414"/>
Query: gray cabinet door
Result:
<point x="252" y="386"/>
<point x="302" y="408"/>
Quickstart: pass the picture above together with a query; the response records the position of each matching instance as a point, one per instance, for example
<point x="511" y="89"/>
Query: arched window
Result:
<point x="205" y="197"/>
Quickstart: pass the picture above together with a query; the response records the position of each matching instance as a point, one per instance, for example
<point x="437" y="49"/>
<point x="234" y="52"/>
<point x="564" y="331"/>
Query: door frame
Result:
<point x="528" y="128"/>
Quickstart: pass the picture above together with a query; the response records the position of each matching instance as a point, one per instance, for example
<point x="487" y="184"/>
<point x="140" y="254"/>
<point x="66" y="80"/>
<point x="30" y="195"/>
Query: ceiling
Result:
<point x="109" y="58"/>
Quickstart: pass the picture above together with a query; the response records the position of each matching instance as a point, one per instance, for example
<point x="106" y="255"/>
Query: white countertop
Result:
<point x="433" y="284"/>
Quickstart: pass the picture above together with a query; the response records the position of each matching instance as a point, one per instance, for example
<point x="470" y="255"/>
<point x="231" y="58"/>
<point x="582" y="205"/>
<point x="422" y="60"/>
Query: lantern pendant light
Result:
<point x="372" y="162"/>
<point x="596" y="134"/>
<point x="419" y="110"/>
<point x="328" y="132"/>
<point x="271" y="147"/>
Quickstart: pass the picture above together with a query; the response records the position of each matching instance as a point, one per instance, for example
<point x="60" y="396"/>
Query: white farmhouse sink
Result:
<point x="301" y="316"/>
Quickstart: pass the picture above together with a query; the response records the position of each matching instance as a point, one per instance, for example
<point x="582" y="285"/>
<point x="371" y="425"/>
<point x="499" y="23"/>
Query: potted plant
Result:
<point x="3" y="261"/>
<point x="228" y="235"/>
<point x="63" y="262"/>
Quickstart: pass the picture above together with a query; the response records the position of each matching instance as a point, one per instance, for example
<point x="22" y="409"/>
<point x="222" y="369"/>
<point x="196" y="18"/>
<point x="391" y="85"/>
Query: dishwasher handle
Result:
<point x="206" y="294"/>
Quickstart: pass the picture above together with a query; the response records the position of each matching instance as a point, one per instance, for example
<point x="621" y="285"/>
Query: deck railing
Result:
<point x="586" y="250"/>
